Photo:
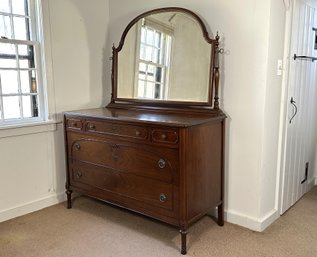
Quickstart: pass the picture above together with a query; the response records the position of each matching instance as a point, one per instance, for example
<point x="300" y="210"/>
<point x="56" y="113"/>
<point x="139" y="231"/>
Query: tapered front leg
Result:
<point x="69" y="198"/>
<point x="183" y="241"/>
<point x="220" y="215"/>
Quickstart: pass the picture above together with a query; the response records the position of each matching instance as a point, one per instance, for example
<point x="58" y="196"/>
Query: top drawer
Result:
<point x="154" y="135"/>
<point x="116" y="129"/>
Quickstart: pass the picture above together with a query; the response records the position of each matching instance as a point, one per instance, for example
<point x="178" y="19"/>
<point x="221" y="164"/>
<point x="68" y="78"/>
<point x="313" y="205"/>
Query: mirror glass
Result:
<point x="165" y="57"/>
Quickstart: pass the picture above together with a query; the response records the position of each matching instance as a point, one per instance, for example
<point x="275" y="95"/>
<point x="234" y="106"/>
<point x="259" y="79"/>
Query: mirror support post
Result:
<point x="216" y="73"/>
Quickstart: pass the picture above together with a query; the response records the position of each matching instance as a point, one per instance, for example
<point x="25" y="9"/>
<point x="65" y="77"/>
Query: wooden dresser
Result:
<point x="166" y="166"/>
<point x="158" y="156"/>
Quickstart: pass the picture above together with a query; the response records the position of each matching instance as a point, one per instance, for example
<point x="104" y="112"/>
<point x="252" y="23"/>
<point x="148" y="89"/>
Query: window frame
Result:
<point x="165" y="48"/>
<point x="36" y="39"/>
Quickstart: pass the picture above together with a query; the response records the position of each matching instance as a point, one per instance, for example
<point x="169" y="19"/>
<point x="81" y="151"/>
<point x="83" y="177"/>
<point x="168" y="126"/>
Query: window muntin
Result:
<point x="20" y="85"/>
<point x="153" y="62"/>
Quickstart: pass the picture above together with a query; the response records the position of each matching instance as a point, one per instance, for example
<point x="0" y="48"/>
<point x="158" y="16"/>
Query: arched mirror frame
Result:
<point x="145" y="103"/>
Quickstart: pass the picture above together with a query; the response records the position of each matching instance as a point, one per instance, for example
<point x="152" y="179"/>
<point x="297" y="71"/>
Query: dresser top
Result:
<point x="150" y="117"/>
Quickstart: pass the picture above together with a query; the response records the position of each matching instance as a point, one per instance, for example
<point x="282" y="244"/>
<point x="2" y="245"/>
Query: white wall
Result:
<point x="32" y="159"/>
<point x="249" y="31"/>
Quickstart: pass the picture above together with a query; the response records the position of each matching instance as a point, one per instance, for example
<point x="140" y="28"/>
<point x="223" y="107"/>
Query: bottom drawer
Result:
<point x="149" y="191"/>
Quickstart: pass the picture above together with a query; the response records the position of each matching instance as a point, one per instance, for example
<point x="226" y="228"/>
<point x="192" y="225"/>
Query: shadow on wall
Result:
<point x="95" y="18"/>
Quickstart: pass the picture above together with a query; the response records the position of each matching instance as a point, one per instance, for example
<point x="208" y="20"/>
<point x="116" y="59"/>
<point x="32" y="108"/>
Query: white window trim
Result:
<point x="48" y="120"/>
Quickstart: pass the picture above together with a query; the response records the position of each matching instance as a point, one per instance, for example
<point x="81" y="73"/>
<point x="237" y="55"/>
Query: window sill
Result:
<point x="28" y="128"/>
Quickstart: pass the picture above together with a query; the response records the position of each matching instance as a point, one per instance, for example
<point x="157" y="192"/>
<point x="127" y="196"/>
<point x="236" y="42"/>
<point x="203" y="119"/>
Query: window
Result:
<point x="154" y="54"/>
<point x="21" y="94"/>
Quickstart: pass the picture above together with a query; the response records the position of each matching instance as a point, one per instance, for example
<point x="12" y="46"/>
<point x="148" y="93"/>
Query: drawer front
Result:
<point x="157" y="163"/>
<point x="117" y="129"/>
<point x="74" y="124"/>
<point x="149" y="191"/>
<point x="165" y="136"/>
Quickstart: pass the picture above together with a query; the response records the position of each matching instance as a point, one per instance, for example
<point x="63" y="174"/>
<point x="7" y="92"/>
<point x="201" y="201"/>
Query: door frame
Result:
<point x="287" y="58"/>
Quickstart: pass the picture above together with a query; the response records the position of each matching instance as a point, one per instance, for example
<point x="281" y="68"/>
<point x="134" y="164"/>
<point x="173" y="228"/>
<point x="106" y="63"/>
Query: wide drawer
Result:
<point x="149" y="191"/>
<point x="152" y="162"/>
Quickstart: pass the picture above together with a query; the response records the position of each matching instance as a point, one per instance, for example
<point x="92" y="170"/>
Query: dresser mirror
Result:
<point x="165" y="56"/>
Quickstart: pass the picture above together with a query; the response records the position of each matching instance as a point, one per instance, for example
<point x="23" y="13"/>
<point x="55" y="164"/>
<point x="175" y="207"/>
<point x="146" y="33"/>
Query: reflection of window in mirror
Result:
<point x="154" y="41"/>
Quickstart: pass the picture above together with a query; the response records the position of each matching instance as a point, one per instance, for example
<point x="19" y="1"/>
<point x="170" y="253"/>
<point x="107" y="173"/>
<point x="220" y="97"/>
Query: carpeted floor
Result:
<point x="95" y="229"/>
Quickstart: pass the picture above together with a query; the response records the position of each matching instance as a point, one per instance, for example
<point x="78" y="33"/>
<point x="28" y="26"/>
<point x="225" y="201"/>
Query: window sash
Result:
<point x="162" y="61"/>
<point x="32" y="40"/>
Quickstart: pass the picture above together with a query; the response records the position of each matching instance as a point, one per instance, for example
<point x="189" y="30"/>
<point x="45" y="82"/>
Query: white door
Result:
<point x="300" y="135"/>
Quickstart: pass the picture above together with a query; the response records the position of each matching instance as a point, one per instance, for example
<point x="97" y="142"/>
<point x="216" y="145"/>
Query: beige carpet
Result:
<point x="95" y="229"/>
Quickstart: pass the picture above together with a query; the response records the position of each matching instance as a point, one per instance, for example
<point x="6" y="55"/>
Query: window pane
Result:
<point x="8" y="63"/>
<point x="11" y="107"/>
<point x="157" y="94"/>
<point x="4" y="6"/>
<point x="28" y="82"/>
<point x="30" y="106"/>
<point x="156" y="56"/>
<point x="141" y="89"/>
<point x="142" y="35"/>
<point x="141" y="75"/>
<point x="158" y="39"/>
<point x="18" y="7"/>
<point x="26" y="56"/>
<point x="150" y="37"/>
<point x="149" y="90"/>
<point x="148" y="53"/>
<point x="9" y="81"/>
<point x="158" y="74"/>
<point x="142" y="67"/>
<point x="7" y="49"/>
<point x="5" y="26"/>
<point x="20" y="28"/>
<point x="142" y="52"/>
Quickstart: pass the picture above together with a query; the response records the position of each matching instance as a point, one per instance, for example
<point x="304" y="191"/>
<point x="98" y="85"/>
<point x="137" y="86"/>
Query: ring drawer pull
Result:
<point x="79" y="174"/>
<point x="92" y="127"/>
<point x="77" y="146"/>
<point x="161" y="163"/>
<point x="163" y="198"/>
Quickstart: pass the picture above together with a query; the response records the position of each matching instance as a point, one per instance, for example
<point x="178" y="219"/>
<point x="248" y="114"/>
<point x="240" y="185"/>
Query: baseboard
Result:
<point x="32" y="206"/>
<point x="311" y="183"/>
<point x="251" y="222"/>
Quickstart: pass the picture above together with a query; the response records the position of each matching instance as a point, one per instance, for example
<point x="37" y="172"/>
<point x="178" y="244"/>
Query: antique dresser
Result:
<point x="158" y="147"/>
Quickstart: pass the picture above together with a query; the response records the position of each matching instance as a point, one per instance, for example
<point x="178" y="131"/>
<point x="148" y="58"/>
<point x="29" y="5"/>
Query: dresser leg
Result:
<point x="69" y="198"/>
<point x="220" y="215"/>
<point x="183" y="239"/>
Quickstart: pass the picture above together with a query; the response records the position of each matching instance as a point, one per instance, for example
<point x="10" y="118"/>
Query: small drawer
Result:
<point x="74" y="124"/>
<point x="165" y="136"/>
<point x="116" y="129"/>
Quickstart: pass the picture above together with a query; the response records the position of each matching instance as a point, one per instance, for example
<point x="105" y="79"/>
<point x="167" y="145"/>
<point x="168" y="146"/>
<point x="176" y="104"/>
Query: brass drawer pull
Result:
<point x="163" y="198"/>
<point x="161" y="163"/>
<point x="92" y="127"/>
<point x="79" y="174"/>
<point x="163" y="136"/>
<point x="77" y="146"/>
<point x="137" y="133"/>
